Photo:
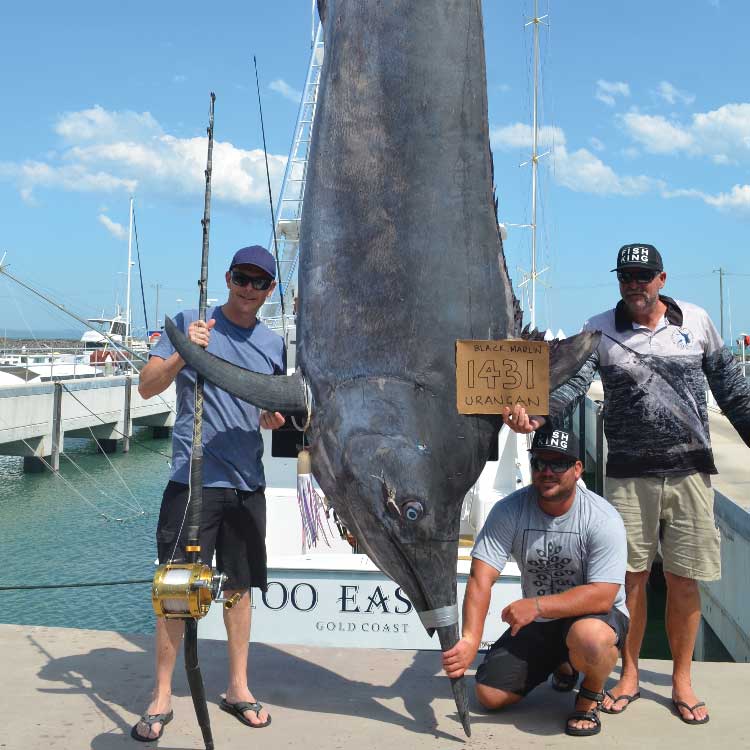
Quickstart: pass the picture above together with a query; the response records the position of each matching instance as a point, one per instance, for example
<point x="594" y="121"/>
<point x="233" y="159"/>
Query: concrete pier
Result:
<point x="35" y="418"/>
<point x="85" y="689"/>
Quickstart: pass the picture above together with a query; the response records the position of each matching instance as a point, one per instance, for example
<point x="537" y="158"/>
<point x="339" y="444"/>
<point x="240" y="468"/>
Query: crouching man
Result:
<point x="570" y="546"/>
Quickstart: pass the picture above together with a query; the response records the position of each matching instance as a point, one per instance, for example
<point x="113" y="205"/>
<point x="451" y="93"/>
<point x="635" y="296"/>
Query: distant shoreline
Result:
<point x="39" y="343"/>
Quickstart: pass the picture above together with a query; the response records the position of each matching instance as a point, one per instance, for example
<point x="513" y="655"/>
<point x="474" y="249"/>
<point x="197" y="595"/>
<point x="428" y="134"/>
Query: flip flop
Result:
<point x="238" y="711"/>
<point x="149" y="720"/>
<point x="681" y="704"/>
<point x="627" y="698"/>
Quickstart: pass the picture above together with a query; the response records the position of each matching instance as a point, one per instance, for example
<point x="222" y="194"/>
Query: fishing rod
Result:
<point x="62" y="308"/>
<point x="270" y="200"/>
<point x="186" y="590"/>
<point x="195" y="504"/>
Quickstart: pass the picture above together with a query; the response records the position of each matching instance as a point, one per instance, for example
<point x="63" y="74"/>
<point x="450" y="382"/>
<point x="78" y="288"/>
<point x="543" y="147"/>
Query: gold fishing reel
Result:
<point x="186" y="590"/>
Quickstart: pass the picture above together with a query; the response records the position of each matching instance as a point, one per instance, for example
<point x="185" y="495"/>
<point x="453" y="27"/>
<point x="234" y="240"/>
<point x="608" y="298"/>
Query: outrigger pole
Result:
<point x="195" y="498"/>
<point x="270" y="200"/>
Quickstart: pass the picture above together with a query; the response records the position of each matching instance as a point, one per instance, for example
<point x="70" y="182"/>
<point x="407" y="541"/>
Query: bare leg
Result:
<point x="592" y="651"/>
<point x="493" y="699"/>
<point x="635" y="591"/>
<point x="237" y="623"/>
<point x="682" y="619"/>
<point x="168" y="638"/>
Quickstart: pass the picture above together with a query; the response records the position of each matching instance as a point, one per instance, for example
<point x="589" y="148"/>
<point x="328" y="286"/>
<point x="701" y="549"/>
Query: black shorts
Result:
<point x="517" y="664"/>
<point x="233" y="522"/>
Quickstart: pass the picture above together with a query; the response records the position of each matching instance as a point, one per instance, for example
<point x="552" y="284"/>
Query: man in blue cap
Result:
<point x="234" y="507"/>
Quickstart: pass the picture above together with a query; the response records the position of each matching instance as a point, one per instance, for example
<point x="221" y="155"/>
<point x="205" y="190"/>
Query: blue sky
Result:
<point x="644" y="106"/>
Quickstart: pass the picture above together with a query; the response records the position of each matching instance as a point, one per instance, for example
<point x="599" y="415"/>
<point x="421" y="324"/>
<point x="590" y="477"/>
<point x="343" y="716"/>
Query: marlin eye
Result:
<point x="413" y="510"/>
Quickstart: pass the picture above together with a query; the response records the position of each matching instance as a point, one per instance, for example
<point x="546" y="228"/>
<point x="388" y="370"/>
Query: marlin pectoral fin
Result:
<point x="283" y="393"/>
<point x="567" y="356"/>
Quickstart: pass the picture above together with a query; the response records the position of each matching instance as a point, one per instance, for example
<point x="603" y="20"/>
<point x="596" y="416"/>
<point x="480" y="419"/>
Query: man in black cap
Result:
<point x="234" y="506"/>
<point x="654" y="358"/>
<point x="570" y="546"/>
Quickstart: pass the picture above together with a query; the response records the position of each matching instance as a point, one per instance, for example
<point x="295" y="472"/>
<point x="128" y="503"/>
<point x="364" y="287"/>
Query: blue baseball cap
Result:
<point x="255" y="255"/>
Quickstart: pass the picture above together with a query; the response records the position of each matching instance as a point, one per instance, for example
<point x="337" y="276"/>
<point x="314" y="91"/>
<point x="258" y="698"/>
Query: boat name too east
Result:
<point x="352" y="599"/>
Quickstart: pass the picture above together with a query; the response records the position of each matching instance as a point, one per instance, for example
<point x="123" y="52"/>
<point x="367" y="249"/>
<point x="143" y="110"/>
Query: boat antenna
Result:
<point x="128" y="334"/>
<point x="140" y="271"/>
<point x="270" y="200"/>
<point x="534" y="161"/>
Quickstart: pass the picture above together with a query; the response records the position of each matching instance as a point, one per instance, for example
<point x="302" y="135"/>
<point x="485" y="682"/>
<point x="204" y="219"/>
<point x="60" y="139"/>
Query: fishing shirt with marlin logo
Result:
<point x="655" y="409"/>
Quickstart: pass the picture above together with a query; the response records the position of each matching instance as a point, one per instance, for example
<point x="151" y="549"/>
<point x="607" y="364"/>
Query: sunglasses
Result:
<point x="557" y="467"/>
<point x="642" y="277"/>
<point x="261" y="283"/>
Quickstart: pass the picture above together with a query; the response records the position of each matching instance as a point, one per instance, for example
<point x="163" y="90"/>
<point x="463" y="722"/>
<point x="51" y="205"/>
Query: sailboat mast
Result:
<point x="127" y="336"/>
<point x="534" y="166"/>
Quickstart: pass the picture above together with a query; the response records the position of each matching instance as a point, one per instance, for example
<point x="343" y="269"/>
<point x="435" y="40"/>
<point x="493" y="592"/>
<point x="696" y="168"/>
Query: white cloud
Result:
<point x="672" y="94"/>
<point x="722" y="135"/>
<point x="656" y="134"/>
<point x="519" y="135"/>
<point x="283" y="88"/>
<point x="736" y="201"/>
<point x="108" y="151"/>
<point x="596" y="144"/>
<point x="581" y="170"/>
<point x="115" y="229"/>
<point x="102" y="126"/>
<point x="606" y="91"/>
<point x="585" y="172"/>
<point x="74" y="177"/>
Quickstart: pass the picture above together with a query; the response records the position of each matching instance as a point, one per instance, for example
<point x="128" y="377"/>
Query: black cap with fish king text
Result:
<point x="639" y="255"/>
<point x="556" y="441"/>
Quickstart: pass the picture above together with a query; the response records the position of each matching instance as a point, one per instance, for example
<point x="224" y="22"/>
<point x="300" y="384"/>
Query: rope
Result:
<point x="121" y="434"/>
<point x="70" y="486"/>
<point x="75" y="585"/>
<point x="137" y="509"/>
<point x="114" y="468"/>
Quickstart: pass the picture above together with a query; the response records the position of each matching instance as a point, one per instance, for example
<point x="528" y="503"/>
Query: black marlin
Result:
<point x="400" y="257"/>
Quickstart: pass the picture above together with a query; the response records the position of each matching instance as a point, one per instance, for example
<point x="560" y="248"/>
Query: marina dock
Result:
<point x="35" y="418"/>
<point x="85" y="689"/>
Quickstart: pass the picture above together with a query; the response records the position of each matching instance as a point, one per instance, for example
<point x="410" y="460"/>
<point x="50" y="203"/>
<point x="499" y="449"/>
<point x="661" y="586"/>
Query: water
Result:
<point x="50" y="535"/>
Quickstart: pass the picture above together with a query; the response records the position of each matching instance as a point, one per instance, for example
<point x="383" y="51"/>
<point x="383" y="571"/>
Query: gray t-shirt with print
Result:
<point x="555" y="553"/>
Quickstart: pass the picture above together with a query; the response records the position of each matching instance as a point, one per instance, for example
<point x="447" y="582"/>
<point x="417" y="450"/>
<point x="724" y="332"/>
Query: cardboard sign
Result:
<point x="493" y="374"/>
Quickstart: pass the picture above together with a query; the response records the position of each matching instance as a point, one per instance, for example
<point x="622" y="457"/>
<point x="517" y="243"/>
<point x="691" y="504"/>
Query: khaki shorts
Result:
<point x="676" y="511"/>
